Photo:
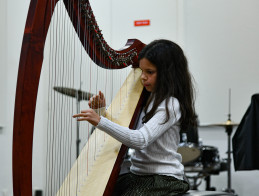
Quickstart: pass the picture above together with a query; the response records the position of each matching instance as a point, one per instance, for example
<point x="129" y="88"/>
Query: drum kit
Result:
<point x="200" y="161"/>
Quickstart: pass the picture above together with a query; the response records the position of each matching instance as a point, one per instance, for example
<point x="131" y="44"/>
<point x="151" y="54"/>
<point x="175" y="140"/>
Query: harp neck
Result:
<point x="82" y="16"/>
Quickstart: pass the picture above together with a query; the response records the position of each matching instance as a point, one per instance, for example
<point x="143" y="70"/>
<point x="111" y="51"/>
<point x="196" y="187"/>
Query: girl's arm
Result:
<point x="139" y="139"/>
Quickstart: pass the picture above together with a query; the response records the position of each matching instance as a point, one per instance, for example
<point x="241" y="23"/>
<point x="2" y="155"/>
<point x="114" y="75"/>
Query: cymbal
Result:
<point x="78" y="94"/>
<point x="224" y="124"/>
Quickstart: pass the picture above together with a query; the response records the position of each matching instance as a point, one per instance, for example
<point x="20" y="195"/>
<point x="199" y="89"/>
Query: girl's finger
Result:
<point x="84" y="111"/>
<point x="82" y="119"/>
<point x="101" y="95"/>
<point x="77" y="115"/>
<point x="103" y="98"/>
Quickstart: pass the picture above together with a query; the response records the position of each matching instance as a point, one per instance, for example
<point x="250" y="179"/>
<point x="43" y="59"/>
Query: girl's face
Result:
<point x="149" y="74"/>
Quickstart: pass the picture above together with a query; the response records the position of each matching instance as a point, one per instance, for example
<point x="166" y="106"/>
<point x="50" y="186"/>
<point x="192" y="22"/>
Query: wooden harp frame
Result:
<point x="31" y="58"/>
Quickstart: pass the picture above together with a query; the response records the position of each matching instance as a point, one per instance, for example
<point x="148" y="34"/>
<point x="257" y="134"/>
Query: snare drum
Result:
<point x="189" y="151"/>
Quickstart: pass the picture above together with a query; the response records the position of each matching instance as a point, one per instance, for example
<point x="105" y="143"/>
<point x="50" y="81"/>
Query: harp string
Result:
<point x="56" y="150"/>
<point x="69" y="66"/>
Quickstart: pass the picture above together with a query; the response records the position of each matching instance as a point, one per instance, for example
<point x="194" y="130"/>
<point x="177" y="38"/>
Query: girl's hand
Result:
<point x="97" y="101"/>
<point x="88" y="115"/>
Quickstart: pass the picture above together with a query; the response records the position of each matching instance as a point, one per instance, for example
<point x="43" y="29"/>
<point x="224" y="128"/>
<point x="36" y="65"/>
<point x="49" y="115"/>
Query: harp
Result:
<point x="37" y="25"/>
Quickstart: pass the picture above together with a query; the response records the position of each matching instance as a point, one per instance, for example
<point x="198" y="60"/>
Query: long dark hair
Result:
<point x="173" y="80"/>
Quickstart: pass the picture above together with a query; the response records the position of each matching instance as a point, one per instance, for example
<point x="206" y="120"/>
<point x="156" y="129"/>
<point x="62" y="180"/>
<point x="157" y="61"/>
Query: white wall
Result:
<point x="219" y="37"/>
<point x="221" y="43"/>
<point x="5" y="133"/>
<point x="163" y="20"/>
<point x="13" y="16"/>
<point x="3" y="66"/>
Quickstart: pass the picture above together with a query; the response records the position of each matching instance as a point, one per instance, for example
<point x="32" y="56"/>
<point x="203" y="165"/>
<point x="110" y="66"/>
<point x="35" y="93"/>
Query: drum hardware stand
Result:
<point x="200" y="172"/>
<point x="208" y="187"/>
<point x="203" y="174"/>
<point x="193" y="180"/>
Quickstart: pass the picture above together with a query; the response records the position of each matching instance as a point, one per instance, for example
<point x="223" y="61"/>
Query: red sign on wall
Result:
<point x="141" y="23"/>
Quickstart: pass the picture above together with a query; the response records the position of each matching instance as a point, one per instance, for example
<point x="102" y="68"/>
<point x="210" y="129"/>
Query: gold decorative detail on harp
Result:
<point x="37" y="25"/>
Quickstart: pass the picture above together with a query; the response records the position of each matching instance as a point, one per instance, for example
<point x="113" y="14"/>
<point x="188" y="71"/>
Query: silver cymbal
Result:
<point x="78" y="94"/>
<point x="224" y="124"/>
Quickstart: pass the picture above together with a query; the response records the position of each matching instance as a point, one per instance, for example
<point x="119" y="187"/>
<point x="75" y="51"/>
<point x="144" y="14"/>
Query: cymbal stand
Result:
<point x="79" y="95"/>
<point x="229" y="129"/>
<point x="78" y="99"/>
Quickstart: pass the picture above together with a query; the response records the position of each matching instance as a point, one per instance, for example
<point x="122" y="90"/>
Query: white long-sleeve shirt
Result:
<point x="155" y="143"/>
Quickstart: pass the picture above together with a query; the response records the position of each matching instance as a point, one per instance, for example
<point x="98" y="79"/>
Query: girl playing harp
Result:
<point x="156" y="166"/>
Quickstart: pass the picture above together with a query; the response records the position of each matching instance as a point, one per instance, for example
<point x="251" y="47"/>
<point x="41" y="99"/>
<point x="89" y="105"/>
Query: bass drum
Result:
<point x="189" y="151"/>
